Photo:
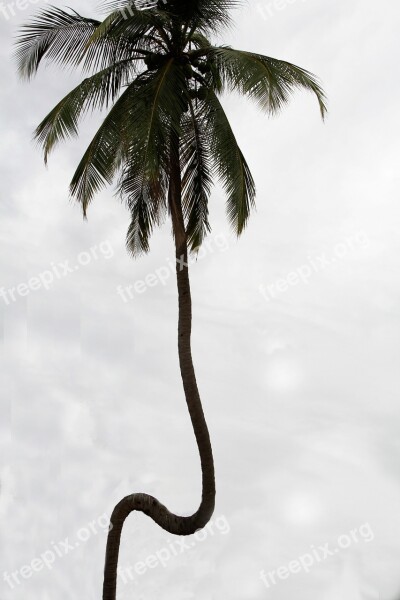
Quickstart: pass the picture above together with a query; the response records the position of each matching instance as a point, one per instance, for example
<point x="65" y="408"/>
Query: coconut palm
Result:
<point x="165" y="137"/>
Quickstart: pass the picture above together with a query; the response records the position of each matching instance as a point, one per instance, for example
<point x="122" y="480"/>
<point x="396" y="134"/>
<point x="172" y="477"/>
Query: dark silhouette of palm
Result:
<point x="166" y="136"/>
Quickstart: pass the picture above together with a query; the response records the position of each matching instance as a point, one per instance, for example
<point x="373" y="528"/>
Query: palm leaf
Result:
<point x="230" y="165"/>
<point x="105" y="153"/>
<point x="269" y="81"/>
<point x="202" y="15"/>
<point x="127" y="19"/>
<point x="200" y="40"/>
<point x="196" y="179"/>
<point x="53" y="34"/>
<point x="159" y="103"/>
<point x="131" y="27"/>
<point x="94" y="92"/>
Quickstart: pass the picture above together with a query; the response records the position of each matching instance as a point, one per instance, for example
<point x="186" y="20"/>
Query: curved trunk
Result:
<point x="150" y="506"/>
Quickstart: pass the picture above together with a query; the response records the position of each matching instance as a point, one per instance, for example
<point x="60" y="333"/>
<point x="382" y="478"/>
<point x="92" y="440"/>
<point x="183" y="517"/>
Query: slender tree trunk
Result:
<point x="150" y="506"/>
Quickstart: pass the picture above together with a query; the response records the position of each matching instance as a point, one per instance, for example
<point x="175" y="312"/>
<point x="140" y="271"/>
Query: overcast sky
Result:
<point x="296" y="341"/>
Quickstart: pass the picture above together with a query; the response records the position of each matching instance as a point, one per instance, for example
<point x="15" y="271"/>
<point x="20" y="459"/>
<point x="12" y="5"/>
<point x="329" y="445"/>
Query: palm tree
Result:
<point x="166" y="136"/>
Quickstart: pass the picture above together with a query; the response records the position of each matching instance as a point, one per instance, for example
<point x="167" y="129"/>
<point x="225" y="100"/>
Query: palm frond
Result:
<point x="269" y="81"/>
<point x="128" y="20"/>
<point x="147" y="211"/>
<point x="196" y="179"/>
<point x="200" y="40"/>
<point x="202" y="15"/>
<point x="159" y="103"/>
<point x="105" y="153"/>
<point x="230" y="165"/>
<point x="94" y="92"/>
<point x="129" y="23"/>
<point x="114" y="5"/>
<point x="53" y="34"/>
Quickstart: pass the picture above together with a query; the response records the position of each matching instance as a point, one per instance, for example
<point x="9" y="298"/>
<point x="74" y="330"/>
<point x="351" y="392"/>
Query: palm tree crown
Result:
<point x="159" y="75"/>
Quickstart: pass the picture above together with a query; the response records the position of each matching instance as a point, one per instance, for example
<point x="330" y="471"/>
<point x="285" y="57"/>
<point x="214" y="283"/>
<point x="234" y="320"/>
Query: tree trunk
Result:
<point x="150" y="506"/>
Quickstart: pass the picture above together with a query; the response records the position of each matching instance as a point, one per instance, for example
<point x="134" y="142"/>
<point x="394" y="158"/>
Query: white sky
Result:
<point x="300" y="385"/>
